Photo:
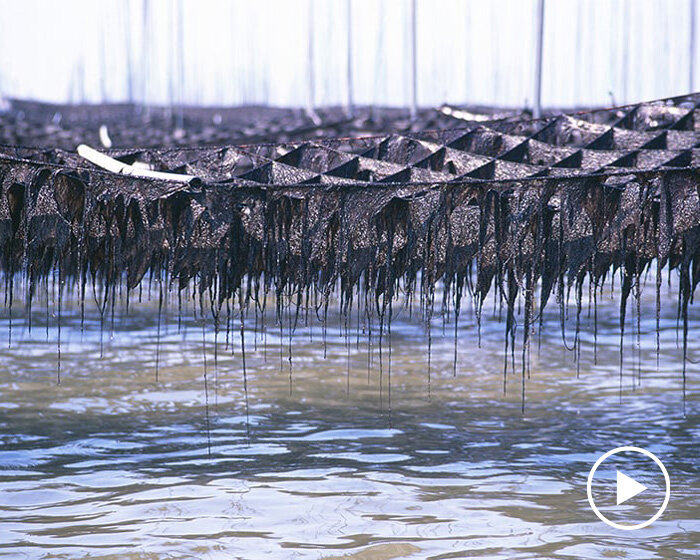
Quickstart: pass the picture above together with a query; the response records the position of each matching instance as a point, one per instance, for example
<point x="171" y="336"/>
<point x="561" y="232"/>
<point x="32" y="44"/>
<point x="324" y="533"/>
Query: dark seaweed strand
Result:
<point x="685" y="297"/>
<point x="658" y="282"/>
<point x="457" y="294"/>
<point x="290" y="329"/>
<point x="243" y="364"/>
<point x="526" y="334"/>
<point x="389" y="342"/>
<point x="381" y="315"/>
<point x="346" y="322"/>
<point x="9" y="296"/>
<point x="368" y="313"/>
<point x="159" y="320"/>
<point x="215" y="305"/>
<point x="205" y="373"/>
<point x="48" y="301"/>
<point x="577" y="336"/>
<point x="638" y="306"/>
<point x="429" y="330"/>
<point x="58" y="325"/>
<point x="263" y="326"/>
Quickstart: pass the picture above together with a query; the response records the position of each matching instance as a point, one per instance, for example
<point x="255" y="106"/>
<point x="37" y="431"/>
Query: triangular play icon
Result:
<point x="627" y="488"/>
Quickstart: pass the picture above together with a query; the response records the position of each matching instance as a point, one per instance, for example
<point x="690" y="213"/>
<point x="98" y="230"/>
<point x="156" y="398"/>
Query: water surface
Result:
<point x="112" y="464"/>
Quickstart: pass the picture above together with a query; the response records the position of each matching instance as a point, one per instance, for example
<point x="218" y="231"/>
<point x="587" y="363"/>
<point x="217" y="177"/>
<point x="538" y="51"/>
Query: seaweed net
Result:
<point x="30" y="123"/>
<point x="529" y="209"/>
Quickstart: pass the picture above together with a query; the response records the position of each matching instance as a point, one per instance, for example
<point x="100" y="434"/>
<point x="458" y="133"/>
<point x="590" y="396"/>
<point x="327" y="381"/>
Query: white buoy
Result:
<point x="115" y="166"/>
<point x="105" y="140"/>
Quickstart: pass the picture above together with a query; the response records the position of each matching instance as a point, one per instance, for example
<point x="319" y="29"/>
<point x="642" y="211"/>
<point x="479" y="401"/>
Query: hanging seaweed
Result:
<point x="520" y="208"/>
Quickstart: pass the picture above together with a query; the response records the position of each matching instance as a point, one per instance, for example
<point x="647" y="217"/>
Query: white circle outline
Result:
<point x="620" y="526"/>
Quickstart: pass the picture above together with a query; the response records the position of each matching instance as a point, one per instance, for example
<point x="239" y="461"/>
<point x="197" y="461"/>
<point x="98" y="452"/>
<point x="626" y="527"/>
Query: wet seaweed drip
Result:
<point x="58" y="326"/>
<point x="206" y="382"/>
<point x="305" y="218"/>
<point x="159" y="320"/>
<point x="370" y="348"/>
<point x="389" y="341"/>
<point x="48" y="302"/>
<point x="346" y="315"/>
<point x="457" y="308"/>
<point x="429" y="353"/>
<point x="101" y="307"/>
<point x="243" y="364"/>
<point x="529" y="296"/>
<point x="215" y="304"/>
<point x="9" y="296"/>
<point x="638" y="323"/>
<point x="577" y="336"/>
<point x="291" y="326"/>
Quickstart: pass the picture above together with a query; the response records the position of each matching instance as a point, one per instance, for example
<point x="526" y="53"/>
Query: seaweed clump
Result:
<point x="526" y="209"/>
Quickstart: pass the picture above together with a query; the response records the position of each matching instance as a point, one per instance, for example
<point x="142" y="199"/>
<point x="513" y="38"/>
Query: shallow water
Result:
<point x="112" y="464"/>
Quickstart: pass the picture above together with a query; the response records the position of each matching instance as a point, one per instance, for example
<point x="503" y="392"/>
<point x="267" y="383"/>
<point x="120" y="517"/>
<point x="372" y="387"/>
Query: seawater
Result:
<point x="326" y="456"/>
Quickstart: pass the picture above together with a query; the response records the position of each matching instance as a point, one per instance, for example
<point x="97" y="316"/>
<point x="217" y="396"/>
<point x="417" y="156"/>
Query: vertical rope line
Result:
<point x="414" y="65"/>
<point x="539" y="36"/>
<point x="349" y="79"/>
<point x="311" y="101"/>
<point x="691" y="47"/>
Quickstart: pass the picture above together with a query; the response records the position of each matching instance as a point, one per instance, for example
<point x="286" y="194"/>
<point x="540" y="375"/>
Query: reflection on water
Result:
<point x="111" y="464"/>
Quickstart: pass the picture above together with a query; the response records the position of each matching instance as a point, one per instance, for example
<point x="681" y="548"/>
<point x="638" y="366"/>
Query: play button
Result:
<point x="641" y="488"/>
<point x="627" y="488"/>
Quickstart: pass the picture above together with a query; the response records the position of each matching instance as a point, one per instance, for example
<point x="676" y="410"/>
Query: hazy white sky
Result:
<point x="227" y="51"/>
